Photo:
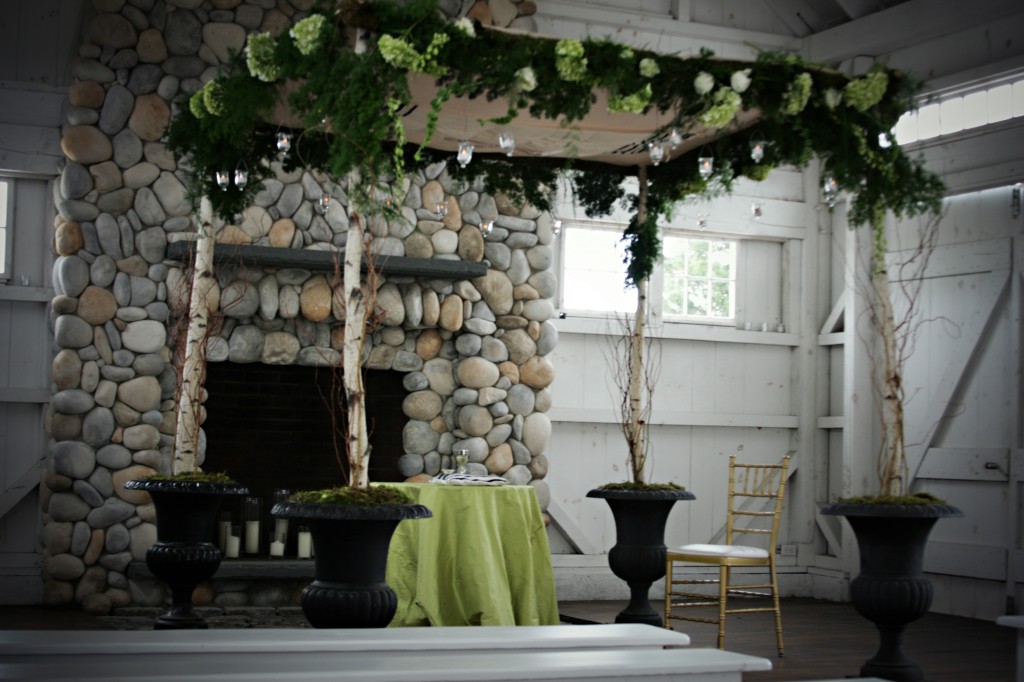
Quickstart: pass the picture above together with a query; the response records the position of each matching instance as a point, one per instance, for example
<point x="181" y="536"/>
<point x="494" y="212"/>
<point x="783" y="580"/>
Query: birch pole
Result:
<point x="892" y="462"/>
<point x="193" y="371"/>
<point x="635" y="430"/>
<point x="357" y="443"/>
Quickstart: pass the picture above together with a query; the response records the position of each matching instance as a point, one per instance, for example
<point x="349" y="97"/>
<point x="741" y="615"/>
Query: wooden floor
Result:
<point x="823" y="640"/>
<point x="826" y="640"/>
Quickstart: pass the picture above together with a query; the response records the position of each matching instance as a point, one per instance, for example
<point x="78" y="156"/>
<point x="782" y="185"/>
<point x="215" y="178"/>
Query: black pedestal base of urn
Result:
<point x="350" y="545"/>
<point x="184" y="554"/>
<point x="891" y="590"/>
<point x="638" y="556"/>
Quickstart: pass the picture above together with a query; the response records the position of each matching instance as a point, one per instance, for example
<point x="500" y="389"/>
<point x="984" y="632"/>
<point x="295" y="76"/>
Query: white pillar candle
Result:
<point x="305" y="544"/>
<point x="276" y="548"/>
<point x="231" y="546"/>
<point x="252" y="537"/>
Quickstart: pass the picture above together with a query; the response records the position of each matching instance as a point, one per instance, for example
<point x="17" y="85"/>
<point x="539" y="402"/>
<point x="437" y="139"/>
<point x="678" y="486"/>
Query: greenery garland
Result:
<point x="350" y="106"/>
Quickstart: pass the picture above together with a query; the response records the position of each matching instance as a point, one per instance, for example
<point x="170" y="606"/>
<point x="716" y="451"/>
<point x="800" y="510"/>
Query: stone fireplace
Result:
<point x="457" y="357"/>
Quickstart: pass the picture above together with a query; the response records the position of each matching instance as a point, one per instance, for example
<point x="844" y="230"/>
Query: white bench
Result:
<point x="451" y="654"/>
<point x="1016" y="622"/>
<point x="491" y="638"/>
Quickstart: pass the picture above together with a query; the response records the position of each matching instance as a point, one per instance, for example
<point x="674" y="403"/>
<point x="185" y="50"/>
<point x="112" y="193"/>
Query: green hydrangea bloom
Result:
<point x="626" y="53"/>
<point x="570" y="60"/>
<point x="197" y="105"/>
<point x="213" y="98"/>
<point x="797" y="94"/>
<point x="634" y="103"/>
<point x="726" y="102"/>
<point x="526" y="79"/>
<point x="397" y="52"/>
<point x="306" y="33"/>
<point x="259" y="58"/>
<point x="649" y="68"/>
<point x="864" y="93"/>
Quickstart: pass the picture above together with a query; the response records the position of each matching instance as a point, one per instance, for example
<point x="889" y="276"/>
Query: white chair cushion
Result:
<point x="731" y="551"/>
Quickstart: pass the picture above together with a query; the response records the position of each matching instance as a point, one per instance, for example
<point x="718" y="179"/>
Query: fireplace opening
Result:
<point x="270" y="427"/>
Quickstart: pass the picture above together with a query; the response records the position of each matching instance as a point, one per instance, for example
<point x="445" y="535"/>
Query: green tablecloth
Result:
<point x="482" y="559"/>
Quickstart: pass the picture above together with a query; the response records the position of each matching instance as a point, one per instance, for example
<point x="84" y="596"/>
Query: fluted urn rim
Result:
<point x="656" y="494"/>
<point x="197" y="487"/>
<point x="330" y="511"/>
<point x="888" y="509"/>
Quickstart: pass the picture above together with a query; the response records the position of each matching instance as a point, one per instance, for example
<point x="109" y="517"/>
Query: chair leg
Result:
<point x="778" y="611"/>
<point x="723" y="595"/>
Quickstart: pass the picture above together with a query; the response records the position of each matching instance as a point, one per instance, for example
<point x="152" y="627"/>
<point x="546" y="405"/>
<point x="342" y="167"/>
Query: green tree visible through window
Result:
<point x="700" y="278"/>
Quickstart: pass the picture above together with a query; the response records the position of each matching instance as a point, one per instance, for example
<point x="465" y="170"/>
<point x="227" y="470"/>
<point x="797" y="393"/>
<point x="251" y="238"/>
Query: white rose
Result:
<point x="832" y="98"/>
<point x="526" y="79"/>
<point x="465" y="24"/>
<point x="703" y="83"/>
<point x="740" y="80"/>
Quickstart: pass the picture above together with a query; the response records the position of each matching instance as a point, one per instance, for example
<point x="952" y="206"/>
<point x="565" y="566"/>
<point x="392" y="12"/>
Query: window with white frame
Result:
<point x="594" y="270"/>
<point x="5" y="230"/>
<point x="998" y="101"/>
<point x="699" y="279"/>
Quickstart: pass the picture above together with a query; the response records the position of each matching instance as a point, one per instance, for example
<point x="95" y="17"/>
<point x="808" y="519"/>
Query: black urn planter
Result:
<point x="350" y="546"/>
<point x="891" y="590"/>
<point x="184" y="554"/>
<point x="638" y="556"/>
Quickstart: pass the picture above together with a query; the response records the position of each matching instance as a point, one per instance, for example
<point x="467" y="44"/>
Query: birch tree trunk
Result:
<point x="193" y="371"/>
<point x="352" y="356"/>
<point x="892" y="462"/>
<point x="635" y="432"/>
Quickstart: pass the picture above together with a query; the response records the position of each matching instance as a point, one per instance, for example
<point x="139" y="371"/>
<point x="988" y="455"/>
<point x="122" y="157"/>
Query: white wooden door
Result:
<point x="25" y="352"/>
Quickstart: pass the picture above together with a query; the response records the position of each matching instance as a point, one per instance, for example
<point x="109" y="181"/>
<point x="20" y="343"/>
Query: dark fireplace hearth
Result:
<point x="270" y="427"/>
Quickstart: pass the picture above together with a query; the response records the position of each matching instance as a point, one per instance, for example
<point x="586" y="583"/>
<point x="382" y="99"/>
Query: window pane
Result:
<point x="721" y="299"/>
<point x="697" y="297"/>
<point x="698" y="258"/>
<point x="594" y="275"/>
<point x="976" y="109"/>
<point x="906" y="128"/>
<point x="928" y="122"/>
<point x="1000" y="103"/>
<point x="1018" y="98"/>
<point x="4" y="232"/>
<point x="951" y="116"/>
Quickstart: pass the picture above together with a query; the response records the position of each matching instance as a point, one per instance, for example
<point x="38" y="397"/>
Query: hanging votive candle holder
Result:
<point x="486" y="227"/>
<point x="757" y="210"/>
<point x="657" y="151"/>
<point x="675" y="138"/>
<point x="706" y="166"/>
<point x="830" y="190"/>
<point x="507" y="143"/>
<point x="284" y="142"/>
<point x="702" y="221"/>
<point x="556" y="227"/>
<point x="757" y="150"/>
<point x="441" y="209"/>
<point x="223" y="180"/>
<point x="325" y="202"/>
<point x="241" y="177"/>
<point x="465" y="153"/>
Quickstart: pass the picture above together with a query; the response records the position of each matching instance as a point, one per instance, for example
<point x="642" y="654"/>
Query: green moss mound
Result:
<point x="915" y="498"/>
<point x="363" y="497"/>
<point x="632" y="485"/>
<point x="194" y="477"/>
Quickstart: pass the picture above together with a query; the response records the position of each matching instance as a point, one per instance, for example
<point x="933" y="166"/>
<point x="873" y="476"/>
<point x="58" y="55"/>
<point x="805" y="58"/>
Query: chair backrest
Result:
<point x="756" y="493"/>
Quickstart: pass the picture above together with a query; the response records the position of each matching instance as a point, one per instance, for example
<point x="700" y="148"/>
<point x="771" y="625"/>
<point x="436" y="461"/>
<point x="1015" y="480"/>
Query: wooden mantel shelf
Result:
<point x="309" y="259"/>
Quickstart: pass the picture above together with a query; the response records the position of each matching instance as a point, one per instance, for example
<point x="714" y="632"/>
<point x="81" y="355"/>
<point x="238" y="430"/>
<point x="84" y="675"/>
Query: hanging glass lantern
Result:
<point x="325" y="202"/>
<point x="485" y="228"/>
<point x="757" y="150"/>
<point x="657" y="151"/>
<point x="706" y="166"/>
<point x="756" y="210"/>
<point x="441" y="209"/>
<point x="507" y="143"/>
<point x="556" y="227"/>
<point x="284" y="142"/>
<point x="223" y="180"/>
<point x="675" y="138"/>
<point x="702" y="220"/>
<point x="465" y="153"/>
<point x="241" y="177"/>
<point x="830" y="190"/>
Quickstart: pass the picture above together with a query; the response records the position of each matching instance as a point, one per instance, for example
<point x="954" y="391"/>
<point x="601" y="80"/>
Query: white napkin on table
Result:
<point x="466" y="479"/>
